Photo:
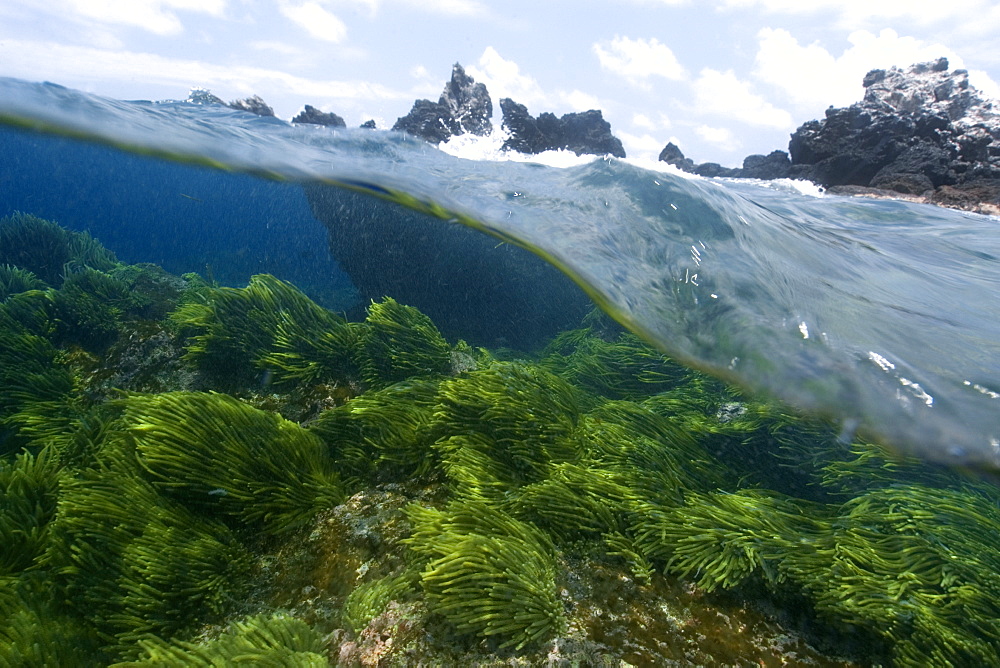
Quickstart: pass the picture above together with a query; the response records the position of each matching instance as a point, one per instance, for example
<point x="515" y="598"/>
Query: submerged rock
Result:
<point x="472" y="286"/>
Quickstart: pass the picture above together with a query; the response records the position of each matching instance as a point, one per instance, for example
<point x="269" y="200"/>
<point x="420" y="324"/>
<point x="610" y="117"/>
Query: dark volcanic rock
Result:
<point x="254" y="104"/>
<point x="672" y="155"/>
<point x="430" y="121"/>
<point x="313" y="116"/>
<point x="921" y="131"/>
<point x="774" y="165"/>
<point x="916" y="129"/>
<point x="488" y="293"/>
<point x="469" y="103"/>
<point x="464" y="106"/>
<point x="583" y="133"/>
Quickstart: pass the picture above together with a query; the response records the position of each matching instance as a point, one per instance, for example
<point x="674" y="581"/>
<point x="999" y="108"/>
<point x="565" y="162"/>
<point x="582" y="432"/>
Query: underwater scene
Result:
<point x="293" y="396"/>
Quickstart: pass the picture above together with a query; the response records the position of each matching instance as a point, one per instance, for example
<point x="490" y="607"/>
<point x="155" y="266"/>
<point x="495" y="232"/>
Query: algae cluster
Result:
<point x="199" y="475"/>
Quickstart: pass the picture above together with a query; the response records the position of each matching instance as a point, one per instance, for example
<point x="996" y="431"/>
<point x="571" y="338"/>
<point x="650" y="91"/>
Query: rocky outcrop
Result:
<point x="254" y="104"/>
<point x="313" y="116"/>
<point x="464" y="106"/>
<point x="774" y="165"/>
<point x="922" y="131"/>
<point x="916" y="130"/>
<point x="583" y="133"/>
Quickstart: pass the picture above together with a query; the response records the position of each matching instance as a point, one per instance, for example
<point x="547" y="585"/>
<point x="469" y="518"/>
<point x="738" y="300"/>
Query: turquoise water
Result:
<point x="880" y="314"/>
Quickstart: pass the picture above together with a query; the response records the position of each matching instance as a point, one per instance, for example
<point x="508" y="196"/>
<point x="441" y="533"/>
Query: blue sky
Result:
<point x="721" y="78"/>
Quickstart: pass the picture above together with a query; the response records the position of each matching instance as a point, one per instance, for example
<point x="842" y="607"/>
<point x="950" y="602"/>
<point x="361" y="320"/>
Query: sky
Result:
<point x="722" y="79"/>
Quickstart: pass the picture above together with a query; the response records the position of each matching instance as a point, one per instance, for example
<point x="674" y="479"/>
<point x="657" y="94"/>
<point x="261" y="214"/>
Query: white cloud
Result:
<point x="853" y="14"/>
<point x="987" y="86"/>
<point x="644" y="146"/>
<point x="720" y="137"/>
<point x="81" y="67"/>
<point x="450" y="7"/>
<point x="813" y="78"/>
<point x="315" y="20"/>
<point x="723" y="94"/>
<point x="638" y="59"/>
<point x="446" y="7"/>
<point x="277" y="47"/>
<point x="644" y="122"/>
<point x="580" y="101"/>
<point x="156" y="16"/>
<point x="503" y="78"/>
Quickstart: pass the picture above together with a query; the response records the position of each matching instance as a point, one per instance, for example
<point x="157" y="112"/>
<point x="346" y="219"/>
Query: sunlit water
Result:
<point x="881" y="314"/>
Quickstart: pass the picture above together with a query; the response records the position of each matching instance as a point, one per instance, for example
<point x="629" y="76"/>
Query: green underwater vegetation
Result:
<point x="200" y="475"/>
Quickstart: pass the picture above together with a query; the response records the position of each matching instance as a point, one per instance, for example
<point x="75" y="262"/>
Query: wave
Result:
<point x="880" y="314"/>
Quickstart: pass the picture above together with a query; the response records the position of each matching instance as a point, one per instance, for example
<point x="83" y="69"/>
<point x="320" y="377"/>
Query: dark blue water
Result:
<point x="880" y="314"/>
<point x="183" y="218"/>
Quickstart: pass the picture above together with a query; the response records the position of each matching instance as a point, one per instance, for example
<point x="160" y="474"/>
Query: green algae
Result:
<point x="532" y="498"/>
<point x="219" y="455"/>
<point x="263" y="640"/>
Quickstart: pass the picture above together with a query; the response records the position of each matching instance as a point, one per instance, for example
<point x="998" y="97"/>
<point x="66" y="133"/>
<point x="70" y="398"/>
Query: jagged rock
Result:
<point x="430" y="121"/>
<point x="583" y="133"/>
<point x="672" y="155"/>
<point x="713" y="169"/>
<point x="254" y="104"/>
<point x="774" y="165"/>
<point x="920" y="131"/>
<point x="313" y="116"/>
<point x="464" y="106"/>
<point x="916" y="129"/>
<point x="469" y="103"/>
<point x="203" y="96"/>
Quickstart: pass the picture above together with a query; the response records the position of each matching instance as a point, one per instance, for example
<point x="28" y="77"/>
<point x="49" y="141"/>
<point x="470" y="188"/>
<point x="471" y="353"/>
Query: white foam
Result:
<point x="490" y="147"/>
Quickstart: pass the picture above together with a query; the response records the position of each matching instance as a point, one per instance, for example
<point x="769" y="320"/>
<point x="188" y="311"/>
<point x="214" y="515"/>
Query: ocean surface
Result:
<point x="882" y="315"/>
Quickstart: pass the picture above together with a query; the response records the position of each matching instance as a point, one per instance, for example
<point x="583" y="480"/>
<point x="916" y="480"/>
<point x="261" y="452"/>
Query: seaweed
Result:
<point x="384" y="431"/>
<point x="46" y="249"/>
<point x="623" y="368"/>
<point x="38" y="397"/>
<point x="219" y="455"/>
<point x="35" y="630"/>
<point x="487" y="573"/>
<point x="369" y="599"/>
<point x="29" y="486"/>
<point x="510" y="421"/>
<point x="239" y="335"/>
<point x="131" y="562"/>
<point x="401" y="342"/>
<point x="276" y="639"/>
<point x="14" y="280"/>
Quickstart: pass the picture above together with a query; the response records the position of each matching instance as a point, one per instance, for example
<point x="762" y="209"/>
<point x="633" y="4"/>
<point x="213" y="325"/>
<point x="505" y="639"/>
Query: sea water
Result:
<point x="879" y="314"/>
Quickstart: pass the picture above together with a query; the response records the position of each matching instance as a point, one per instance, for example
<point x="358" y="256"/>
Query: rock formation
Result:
<point x="464" y="106"/>
<point x="919" y="131"/>
<point x="254" y="104"/>
<point x="313" y="116"/>
<point x="582" y="133"/>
